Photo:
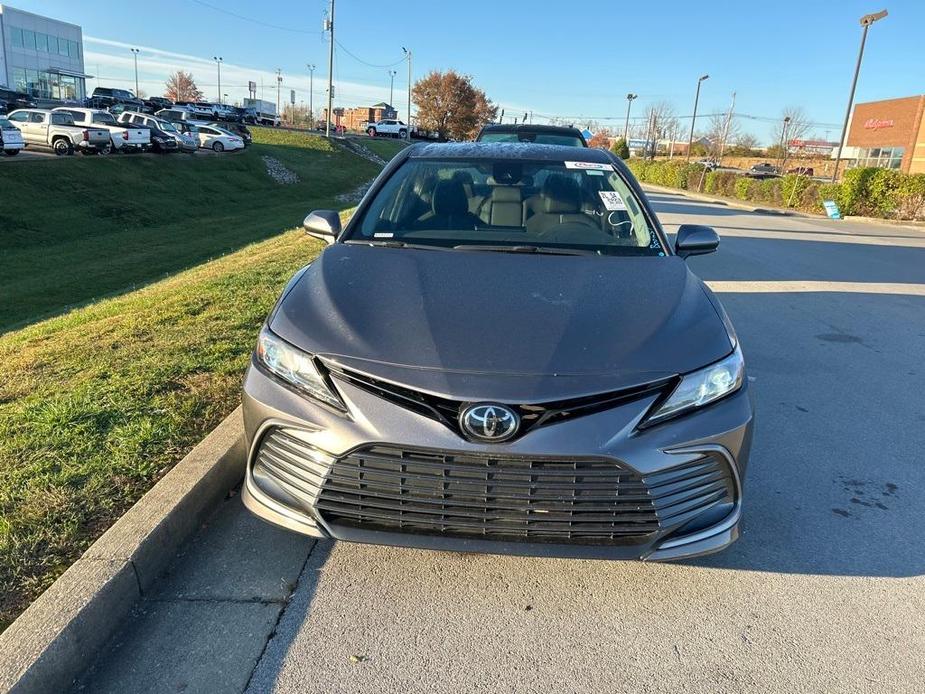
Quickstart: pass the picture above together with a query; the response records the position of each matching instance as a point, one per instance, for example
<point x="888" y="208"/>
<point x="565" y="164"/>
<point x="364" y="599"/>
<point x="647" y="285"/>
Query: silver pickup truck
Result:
<point x="58" y="131"/>
<point x="123" y="138"/>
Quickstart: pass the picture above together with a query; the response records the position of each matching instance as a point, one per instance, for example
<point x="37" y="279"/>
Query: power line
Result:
<point x="252" y="20"/>
<point x="360" y="60"/>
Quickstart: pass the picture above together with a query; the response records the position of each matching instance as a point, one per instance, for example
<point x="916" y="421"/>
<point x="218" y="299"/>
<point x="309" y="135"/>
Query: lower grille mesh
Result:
<point x="518" y="498"/>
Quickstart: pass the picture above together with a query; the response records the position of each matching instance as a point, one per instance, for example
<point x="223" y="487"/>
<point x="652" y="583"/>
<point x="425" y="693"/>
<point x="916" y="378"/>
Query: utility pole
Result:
<point x="392" y="74"/>
<point x="408" y="53"/>
<point x="279" y="85"/>
<point x="626" y="125"/>
<point x="690" y="142"/>
<point x="866" y="21"/>
<point x="330" y="27"/>
<point x="135" y="53"/>
<point x="311" y="86"/>
<point x="218" y="63"/>
<point x="722" y="146"/>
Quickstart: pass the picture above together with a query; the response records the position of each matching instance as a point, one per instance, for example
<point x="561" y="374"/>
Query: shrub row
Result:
<point x="870" y="192"/>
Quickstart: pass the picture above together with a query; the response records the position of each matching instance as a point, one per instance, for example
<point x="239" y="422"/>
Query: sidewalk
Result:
<point x="743" y="205"/>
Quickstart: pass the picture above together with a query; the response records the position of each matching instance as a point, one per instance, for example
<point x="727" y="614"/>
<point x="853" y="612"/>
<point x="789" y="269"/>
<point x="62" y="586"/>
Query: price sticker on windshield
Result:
<point x="612" y="200"/>
<point x="588" y="166"/>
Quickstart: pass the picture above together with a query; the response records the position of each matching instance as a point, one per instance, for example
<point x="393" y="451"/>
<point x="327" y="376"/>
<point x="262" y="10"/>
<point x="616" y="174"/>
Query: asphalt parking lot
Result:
<point x="824" y="592"/>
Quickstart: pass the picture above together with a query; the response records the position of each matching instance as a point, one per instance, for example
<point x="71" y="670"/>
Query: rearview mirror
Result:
<point x="695" y="239"/>
<point x="323" y="224"/>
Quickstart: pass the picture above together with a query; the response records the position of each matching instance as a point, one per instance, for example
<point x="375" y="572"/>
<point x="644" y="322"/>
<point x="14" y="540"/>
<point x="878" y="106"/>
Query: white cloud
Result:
<point x="112" y="64"/>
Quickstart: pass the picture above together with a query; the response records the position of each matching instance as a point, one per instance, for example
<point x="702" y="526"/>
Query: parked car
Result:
<point x="801" y="171"/>
<point x="11" y="100"/>
<point x="11" y="141"/>
<point x="374" y="416"/>
<point x="106" y="97"/>
<point x="198" y="111"/>
<point x="218" y="139"/>
<point x="763" y="170"/>
<point x="122" y="137"/>
<point x="188" y="134"/>
<point x="176" y="114"/>
<point x="156" y="103"/>
<point x="536" y="134"/>
<point x="387" y="128"/>
<point x="162" y="141"/>
<point x="57" y="130"/>
<point x="226" y="113"/>
<point x="240" y="130"/>
<point x="709" y="164"/>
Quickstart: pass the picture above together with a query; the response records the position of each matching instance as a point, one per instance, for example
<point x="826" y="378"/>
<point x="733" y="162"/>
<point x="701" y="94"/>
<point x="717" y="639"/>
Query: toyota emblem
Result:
<point x="489" y="422"/>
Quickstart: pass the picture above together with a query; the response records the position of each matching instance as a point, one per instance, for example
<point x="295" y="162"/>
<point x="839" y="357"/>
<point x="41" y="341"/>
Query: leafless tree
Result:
<point x="721" y="130"/>
<point x="661" y="121"/>
<point x="797" y="125"/>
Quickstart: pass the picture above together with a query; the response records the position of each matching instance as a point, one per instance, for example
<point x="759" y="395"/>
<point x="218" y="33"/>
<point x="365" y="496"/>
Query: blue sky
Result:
<point x="567" y="59"/>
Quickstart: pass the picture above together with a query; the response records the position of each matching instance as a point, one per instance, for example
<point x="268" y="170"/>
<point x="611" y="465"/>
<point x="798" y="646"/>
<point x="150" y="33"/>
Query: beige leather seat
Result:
<point x="559" y="203"/>
<point x="505" y="207"/>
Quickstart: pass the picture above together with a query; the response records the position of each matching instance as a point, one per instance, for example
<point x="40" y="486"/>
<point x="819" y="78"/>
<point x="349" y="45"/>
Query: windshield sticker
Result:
<point x="612" y="200"/>
<point x="592" y="172"/>
<point x="586" y="165"/>
<point x="383" y="235"/>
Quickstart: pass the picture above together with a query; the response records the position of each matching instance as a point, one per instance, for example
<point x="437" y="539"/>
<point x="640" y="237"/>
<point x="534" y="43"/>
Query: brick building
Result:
<point x="357" y="118"/>
<point x="888" y="134"/>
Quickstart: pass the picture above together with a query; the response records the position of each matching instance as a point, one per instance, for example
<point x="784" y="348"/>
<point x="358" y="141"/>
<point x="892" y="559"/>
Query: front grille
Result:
<point x="516" y="498"/>
<point x="585" y="501"/>
<point x="447" y="411"/>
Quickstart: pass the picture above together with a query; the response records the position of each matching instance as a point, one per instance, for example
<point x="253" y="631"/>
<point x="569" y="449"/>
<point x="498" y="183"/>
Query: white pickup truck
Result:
<point x="388" y="128"/>
<point x="122" y="138"/>
<point x="46" y="128"/>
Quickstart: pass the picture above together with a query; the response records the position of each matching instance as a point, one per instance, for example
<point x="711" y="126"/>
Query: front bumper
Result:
<point x="720" y="433"/>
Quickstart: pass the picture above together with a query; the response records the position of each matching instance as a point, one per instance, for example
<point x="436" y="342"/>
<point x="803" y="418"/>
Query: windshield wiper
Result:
<point x="537" y="250"/>
<point x="393" y="244"/>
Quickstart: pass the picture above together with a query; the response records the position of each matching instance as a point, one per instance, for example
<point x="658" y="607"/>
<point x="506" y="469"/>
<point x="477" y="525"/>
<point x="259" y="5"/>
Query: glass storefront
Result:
<point x="881" y="157"/>
<point x="47" y="85"/>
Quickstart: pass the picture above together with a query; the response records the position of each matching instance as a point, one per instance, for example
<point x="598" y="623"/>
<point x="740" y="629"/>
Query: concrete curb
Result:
<point x="54" y="640"/>
<point x="891" y="223"/>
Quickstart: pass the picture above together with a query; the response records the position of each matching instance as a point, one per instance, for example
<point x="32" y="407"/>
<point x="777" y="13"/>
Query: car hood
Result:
<point x="512" y="327"/>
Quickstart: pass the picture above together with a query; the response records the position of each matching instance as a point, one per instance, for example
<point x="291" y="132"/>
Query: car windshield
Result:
<point x="509" y="205"/>
<point x="166" y="126"/>
<point x="535" y="138"/>
<point x="104" y="118"/>
<point x="5" y="124"/>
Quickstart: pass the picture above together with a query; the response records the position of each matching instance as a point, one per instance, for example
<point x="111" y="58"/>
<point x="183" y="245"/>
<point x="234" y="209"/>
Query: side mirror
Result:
<point x="695" y="239"/>
<point x="323" y="224"/>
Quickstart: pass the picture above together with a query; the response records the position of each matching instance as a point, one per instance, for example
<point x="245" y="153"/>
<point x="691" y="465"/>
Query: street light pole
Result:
<point x="327" y="130"/>
<point x="135" y="53"/>
<point x="279" y="86"/>
<point x="408" y="53"/>
<point x="311" y="86"/>
<point x="690" y="141"/>
<point x="392" y="74"/>
<point x="218" y="63"/>
<point x="626" y="125"/>
<point x="780" y="147"/>
<point x="866" y="21"/>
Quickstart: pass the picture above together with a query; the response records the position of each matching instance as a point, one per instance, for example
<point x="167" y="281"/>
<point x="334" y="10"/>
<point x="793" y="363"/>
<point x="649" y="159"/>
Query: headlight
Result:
<point x="295" y="367"/>
<point x="159" y="140"/>
<point x="703" y="387"/>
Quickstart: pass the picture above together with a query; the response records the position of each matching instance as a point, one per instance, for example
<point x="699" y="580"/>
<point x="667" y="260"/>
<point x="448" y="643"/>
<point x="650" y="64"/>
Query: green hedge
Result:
<point x="871" y="192"/>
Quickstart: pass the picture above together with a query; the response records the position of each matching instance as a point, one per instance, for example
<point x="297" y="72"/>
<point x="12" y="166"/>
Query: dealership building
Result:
<point x="888" y="134"/>
<point x="40" y="56"/>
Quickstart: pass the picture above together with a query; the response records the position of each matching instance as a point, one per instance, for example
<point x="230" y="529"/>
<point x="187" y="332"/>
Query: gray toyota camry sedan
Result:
<point x="501" y="352"/>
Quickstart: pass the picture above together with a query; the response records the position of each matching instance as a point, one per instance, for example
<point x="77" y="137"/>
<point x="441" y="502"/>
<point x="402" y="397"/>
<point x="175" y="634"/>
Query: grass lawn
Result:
<point x="96" y="405"/>
<point x="87" y="227"/>
<point x="384" y="147"/>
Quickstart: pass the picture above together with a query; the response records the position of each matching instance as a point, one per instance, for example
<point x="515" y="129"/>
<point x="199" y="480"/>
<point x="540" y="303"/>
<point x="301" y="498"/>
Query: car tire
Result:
<point x="62" y="147"/>
<point x="371" y="132"/>
<point x="108" y="149"/>
<point x="218" y="147"/>
<point x="11" y="152"/>
<point x="402" y="134"/>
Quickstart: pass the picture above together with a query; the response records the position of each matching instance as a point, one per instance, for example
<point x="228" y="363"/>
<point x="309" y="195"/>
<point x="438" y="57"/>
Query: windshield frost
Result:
<point x="545" y="204"/>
